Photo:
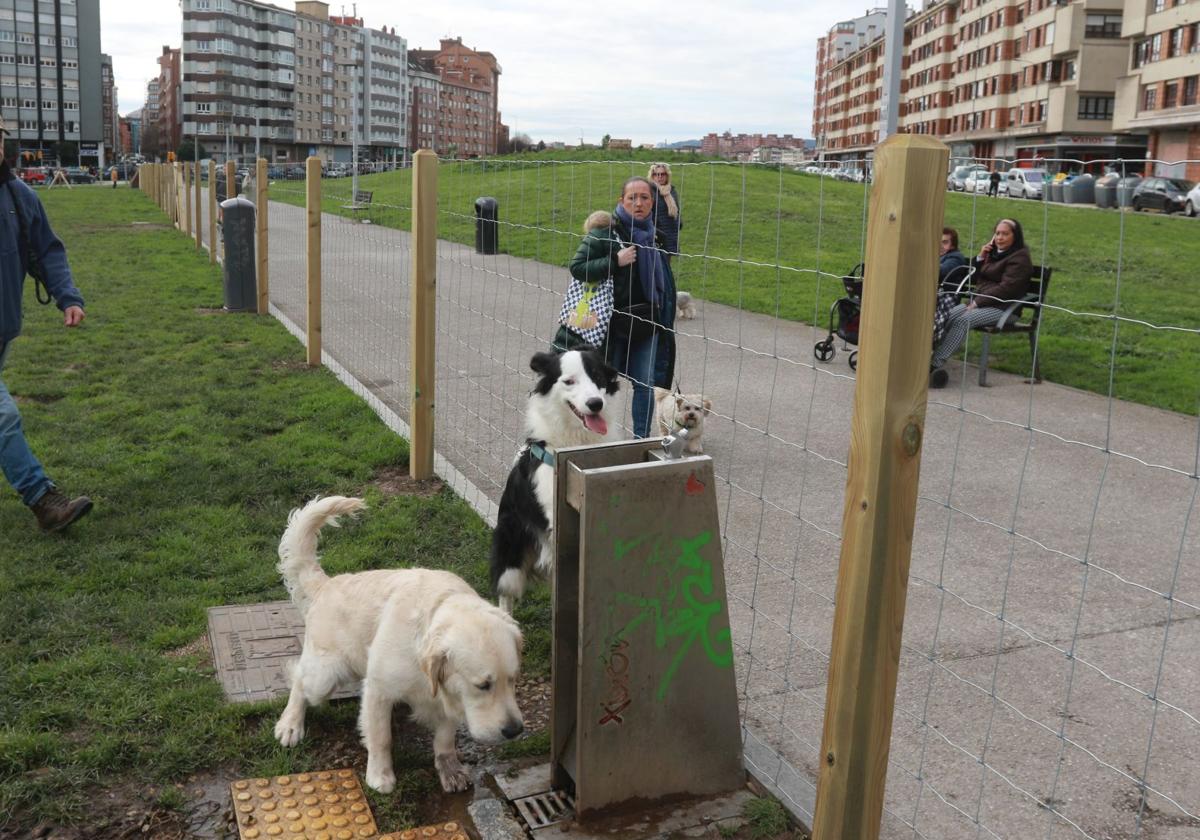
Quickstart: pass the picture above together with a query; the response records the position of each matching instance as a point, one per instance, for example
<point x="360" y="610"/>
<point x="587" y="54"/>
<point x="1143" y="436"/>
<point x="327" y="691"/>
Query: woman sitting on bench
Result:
<point x="1002" y="273"/>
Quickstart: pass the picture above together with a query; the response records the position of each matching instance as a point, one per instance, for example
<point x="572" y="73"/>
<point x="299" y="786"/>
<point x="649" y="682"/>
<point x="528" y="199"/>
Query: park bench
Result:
<point x="1010" y="322"/>
<point x="361" y="201"/>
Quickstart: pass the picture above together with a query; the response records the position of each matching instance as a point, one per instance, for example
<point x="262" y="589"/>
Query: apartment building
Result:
<point x="170" y="100"/>
<point x="111" y="133"/>
<point x="385" y="115"/>
<point x="1158" y="94"/>
<point x="1026" y="79"/>
<point x="740" y="146"/>
<point x="50" y="77"/>
<point x="843" y="39"/>
<point x="148" y="139"/>
<point x="287" y="84"/>
<point x="459" y="115"/>
<point x="239" y="78"/>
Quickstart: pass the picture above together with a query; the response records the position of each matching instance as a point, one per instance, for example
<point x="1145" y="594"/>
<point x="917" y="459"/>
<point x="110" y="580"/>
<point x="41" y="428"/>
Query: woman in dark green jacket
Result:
<point x="641" y="331"/>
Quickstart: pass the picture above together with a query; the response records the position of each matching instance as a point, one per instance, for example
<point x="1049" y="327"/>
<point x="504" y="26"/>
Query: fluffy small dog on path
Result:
<point x="682" y="411"/>
<point x="684" y="307"/>
<point x="416" y="636"/>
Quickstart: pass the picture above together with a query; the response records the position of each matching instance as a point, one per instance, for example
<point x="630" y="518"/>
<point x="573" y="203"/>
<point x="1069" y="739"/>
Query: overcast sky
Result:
<point x="649" y="71"/>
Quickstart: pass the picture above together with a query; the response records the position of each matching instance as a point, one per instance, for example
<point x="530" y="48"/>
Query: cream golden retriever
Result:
<point x="416" y="636"/>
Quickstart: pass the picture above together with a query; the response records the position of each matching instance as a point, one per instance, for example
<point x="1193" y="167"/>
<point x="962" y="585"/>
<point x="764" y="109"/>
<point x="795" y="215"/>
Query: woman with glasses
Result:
<point x="666" y="208"/>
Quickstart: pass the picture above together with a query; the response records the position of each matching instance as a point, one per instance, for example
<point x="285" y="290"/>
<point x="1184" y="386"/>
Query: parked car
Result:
<point x="1026" y="183"/>
<point x="1166" y="194"/>
<point x="957" y="179"/>
<point x="33" y="174"/>
<point x="980" y="181"/>
<point x="79" y="175"/>
<point x="1193" y="201"/>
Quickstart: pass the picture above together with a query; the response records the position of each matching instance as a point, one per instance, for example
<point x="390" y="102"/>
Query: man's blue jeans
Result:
<point x="635" y="359"/>
<point x="21" y="469"/>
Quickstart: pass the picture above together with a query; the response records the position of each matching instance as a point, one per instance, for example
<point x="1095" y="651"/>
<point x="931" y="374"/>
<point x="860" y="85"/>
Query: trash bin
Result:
<point x="1080" y="190"/>
<point x="1054" y="191"/>
<point x="1106" y="190"/>
<point x="1125" y="188"/>
<point x="487" y="232"/>
<point x="237" y="229"/>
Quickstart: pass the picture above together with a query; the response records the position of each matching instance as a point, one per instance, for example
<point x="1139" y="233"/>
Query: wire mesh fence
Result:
<point x="1048" y="675"/>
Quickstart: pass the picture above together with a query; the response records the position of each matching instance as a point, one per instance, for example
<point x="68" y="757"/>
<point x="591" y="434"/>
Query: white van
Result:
<point x="1026" y="183"/>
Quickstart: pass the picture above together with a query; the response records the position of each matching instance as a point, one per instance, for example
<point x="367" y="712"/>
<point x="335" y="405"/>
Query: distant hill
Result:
<point x="681" y="144"/>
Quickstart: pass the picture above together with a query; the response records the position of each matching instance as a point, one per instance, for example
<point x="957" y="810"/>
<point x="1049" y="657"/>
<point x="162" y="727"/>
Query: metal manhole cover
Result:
<point x="543" y="809"/>
<point x="253" y="645"/>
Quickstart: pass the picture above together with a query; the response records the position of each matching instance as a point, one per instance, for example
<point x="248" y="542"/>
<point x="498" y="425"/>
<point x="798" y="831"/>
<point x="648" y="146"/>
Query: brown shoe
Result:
<point x="54" y="511"/>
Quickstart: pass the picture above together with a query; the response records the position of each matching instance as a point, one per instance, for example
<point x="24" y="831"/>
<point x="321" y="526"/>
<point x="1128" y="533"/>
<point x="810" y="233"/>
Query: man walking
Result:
<point x="27" y="244"/>
<point x="994" y="184"/>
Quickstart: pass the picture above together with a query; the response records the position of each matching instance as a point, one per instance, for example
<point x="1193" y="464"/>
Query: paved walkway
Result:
<point x="1044" y="674"/>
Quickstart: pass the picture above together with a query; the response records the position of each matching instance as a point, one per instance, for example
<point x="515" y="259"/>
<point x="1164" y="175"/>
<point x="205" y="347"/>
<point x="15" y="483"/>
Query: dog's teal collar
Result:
<point x="539" y="452"/>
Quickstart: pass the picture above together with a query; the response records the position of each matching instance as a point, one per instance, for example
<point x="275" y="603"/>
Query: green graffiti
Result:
<point x="683" y="608"/>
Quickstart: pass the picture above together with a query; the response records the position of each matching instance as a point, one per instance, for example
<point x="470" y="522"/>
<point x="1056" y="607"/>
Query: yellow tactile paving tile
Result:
<point x="441" y="831"/>
<point x="324" y="805"/>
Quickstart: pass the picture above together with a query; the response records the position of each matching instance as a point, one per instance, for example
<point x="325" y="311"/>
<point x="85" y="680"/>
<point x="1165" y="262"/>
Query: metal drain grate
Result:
<point x="543" y="809"/>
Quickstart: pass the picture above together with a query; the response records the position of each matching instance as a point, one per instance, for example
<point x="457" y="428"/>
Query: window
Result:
<point x="1189" y="90"/>
<point x="1170" y="94"/>
<point x="1175" y="42"/>
<point x="1101" y="25"/>
<point x="1149" y="97"/>
<point x="1096" y="107"/>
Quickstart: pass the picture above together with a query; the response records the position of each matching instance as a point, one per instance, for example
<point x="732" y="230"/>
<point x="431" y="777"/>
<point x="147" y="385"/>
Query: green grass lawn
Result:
<point x="741" y="223"/>
<point x="195" y="432"/>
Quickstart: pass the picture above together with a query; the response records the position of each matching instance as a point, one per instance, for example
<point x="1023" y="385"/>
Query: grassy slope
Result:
<point x="736" y="215"/>
<point x="195" y="433"/>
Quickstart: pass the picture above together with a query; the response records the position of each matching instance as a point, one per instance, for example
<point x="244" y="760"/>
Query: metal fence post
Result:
<point x="212" y="212"/>
<point x="424" y="297"/>
<point x="896" y="330"/>
<point x="186" y="175"/>
<point x="312" y="183"/>
<point x="260" y="183"/>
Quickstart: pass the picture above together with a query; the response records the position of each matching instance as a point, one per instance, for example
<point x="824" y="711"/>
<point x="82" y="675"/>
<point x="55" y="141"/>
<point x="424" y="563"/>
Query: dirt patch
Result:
<point x="37" y="399"/>
<point x="290" y="364"/>
<point x="211" y="310"/>
<point x="395" y="481"/>
<point x="200" y="646"/>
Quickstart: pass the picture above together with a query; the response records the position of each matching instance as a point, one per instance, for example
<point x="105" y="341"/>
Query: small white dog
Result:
<point x="417" y="636"/>
<point x="684" y="308"/>
<point x="682" y="411"/>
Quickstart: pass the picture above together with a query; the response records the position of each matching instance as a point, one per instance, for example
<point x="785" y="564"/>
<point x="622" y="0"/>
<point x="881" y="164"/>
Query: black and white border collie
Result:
<point x="568" y="407"/>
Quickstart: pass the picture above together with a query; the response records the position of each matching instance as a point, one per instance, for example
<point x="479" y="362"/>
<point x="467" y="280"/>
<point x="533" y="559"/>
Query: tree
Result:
<point x="190" y="150"/>
<point x="521" y="142"/>
<point x="150" y="140"/>
<point x="541" y="146"/>
<point x="605" y="140"/>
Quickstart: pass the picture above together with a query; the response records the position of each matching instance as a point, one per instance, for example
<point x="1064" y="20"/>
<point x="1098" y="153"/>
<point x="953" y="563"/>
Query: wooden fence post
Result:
<point x="423" y="333"/>
<point x="212" y="212"/>
<point x="312" y="183"/>
<point x="260" y="183"/>
<point x="199" y="207"/>
<point x="177" y="188"/>
<point x="896" y="331"/>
